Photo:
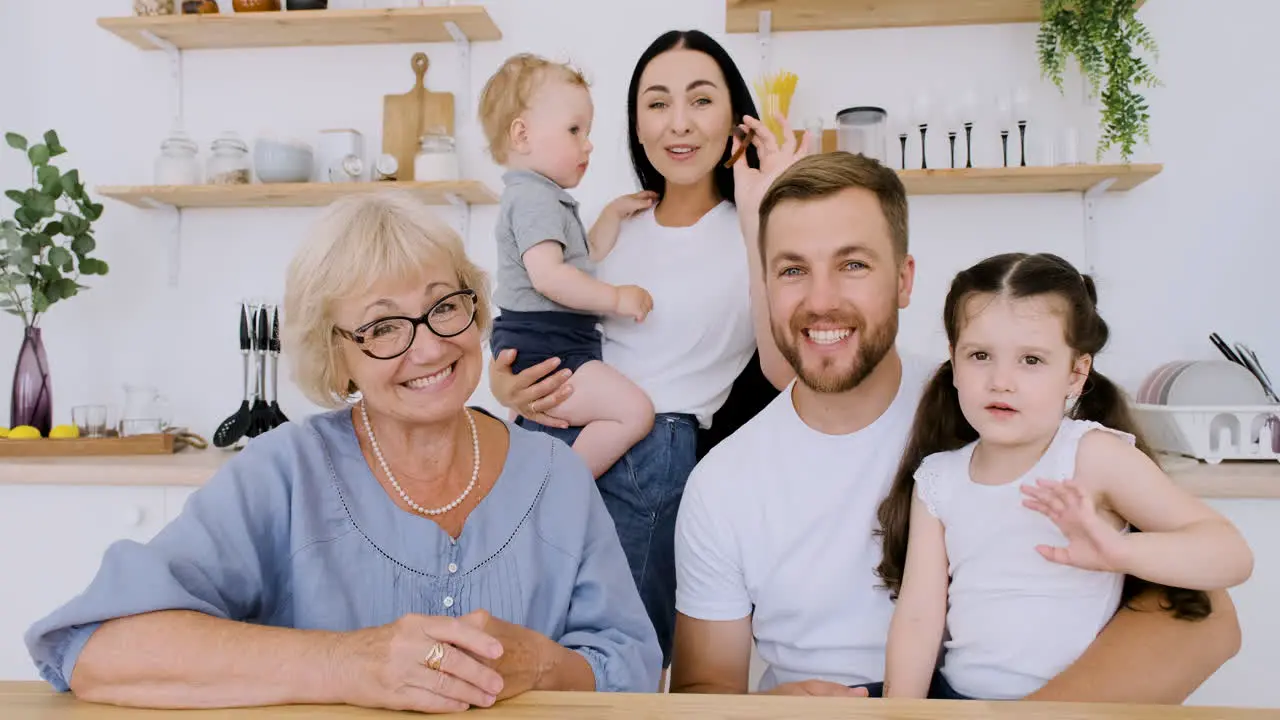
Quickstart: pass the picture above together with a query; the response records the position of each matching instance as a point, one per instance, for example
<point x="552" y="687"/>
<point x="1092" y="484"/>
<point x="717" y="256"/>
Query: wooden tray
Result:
<point x="152" y="444"/>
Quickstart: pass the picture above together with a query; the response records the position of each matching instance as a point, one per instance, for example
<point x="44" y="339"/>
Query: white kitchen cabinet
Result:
<point x="52" y="538"/>
<point x="175" y="498"/>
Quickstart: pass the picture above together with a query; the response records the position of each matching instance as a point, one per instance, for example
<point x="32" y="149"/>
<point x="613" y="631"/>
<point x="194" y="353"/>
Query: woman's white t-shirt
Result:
<point x="1015" y="619"/>
<point x="700" y="334"/>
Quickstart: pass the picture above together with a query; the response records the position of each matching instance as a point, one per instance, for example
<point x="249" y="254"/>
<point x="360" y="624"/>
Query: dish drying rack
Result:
<point x="1212" y="433"/>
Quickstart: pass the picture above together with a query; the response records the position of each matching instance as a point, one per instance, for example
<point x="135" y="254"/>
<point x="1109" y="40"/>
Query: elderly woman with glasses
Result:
<point x="399" y="551"/>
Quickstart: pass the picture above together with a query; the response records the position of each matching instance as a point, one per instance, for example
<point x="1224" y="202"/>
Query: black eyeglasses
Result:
<point x="390" y="337"/>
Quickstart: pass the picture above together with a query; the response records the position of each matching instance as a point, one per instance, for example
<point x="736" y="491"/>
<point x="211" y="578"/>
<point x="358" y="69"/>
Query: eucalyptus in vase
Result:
<point x="44" y="251"/>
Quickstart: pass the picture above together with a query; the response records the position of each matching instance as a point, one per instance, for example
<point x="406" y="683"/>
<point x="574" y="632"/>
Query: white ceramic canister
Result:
<point x="335" y="146"/>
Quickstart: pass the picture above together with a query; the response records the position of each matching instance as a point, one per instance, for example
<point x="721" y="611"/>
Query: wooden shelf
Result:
<point x="306" y="27"/>
<point x="1021" y="180"/>
<point x="184" y="468"/>
<point x="1240" y="480"/>
<point x="291" y="194"/>
<point x="743" y="16"/>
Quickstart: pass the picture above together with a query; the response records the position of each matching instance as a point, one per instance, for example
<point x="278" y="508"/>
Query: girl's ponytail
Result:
<point x="1102" y="401"/>
<point x="939" y="425"/>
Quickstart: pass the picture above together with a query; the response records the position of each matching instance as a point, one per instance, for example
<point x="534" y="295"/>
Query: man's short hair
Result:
<point x="819" y="176"/>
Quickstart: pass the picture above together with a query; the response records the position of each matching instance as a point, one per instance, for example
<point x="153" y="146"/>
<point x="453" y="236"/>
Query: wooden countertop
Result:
<point x="34" y="701"/>
<point x="1226" y="480"/>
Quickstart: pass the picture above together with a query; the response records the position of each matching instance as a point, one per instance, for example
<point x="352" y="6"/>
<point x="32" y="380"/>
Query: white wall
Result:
<point x="1169" y="252"/>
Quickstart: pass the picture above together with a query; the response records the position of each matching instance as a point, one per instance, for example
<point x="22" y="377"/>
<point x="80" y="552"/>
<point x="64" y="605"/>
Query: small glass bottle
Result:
<point x="436" y="161"/>
<point x="229" y="164"/>
<point x="177" y="163"/>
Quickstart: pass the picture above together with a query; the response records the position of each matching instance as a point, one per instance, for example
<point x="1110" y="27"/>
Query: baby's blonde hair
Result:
<point x="507" y="94"/>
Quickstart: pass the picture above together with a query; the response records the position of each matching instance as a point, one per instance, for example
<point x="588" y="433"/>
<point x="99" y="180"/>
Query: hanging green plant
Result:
<point x="1104" y="36"/>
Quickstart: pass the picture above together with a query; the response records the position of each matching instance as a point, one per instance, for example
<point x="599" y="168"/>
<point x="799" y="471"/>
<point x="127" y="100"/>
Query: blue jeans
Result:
<point x="939" y="689"/>
<point x="642" y="492"/>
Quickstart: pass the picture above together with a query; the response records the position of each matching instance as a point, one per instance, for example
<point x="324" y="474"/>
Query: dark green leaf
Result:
<point x="39" y="303"/>
<point x="16" y="195"/>
<point x="31" y="243"/>
<point x="67" y="288"/>
<point x="15" y="313"/>
<point x="26" y="265"/>
<point x="44" y="240"/>
<point x="73" y="225"/>
<point x="94" y="211"/>
<point x="16" y="279"/>
<point x="39" y="155"/>
<point x="70" y="182"/>
<point x="59" y="256"/>
<point x="53" y="228"/>
<point x="7" y="304"/>
<point x="51" y="291"/>
<point x="50" y="180"/>
<point x="93" y="266"/>
<point x="83" y="245"/>
<point x="49" y="273"/>
<point x="55" y="147"/>
<point x="43" y="205"/>
<point x="24" y="218"/>
<point x="15" y="141"/>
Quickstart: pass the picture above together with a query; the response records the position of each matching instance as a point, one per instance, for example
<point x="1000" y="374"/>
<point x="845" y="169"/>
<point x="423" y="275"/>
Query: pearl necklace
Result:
<point x="475" y="467"/>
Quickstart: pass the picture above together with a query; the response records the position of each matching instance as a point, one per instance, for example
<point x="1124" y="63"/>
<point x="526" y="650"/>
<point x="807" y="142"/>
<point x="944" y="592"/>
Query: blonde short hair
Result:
<point x="358" y="242"/>
<point x="507" y="94"/>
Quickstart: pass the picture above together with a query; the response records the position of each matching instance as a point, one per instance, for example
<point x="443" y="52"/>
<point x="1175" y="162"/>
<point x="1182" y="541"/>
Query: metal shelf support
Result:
<point x="464" y="215"/>
<point x="173" y="217"/>
<point x="175" y="72"/>
<point x="763" y="37"/>
<point x="1090" y="202"/>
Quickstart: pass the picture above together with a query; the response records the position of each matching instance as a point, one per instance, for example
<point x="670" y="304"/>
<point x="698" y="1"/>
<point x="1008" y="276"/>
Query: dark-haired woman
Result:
<point x="705" y="354"/>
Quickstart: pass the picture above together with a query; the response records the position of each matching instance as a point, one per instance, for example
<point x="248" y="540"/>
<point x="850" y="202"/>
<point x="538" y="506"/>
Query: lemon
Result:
<point x="24" y="432"/>
<point x="4" y="432"/>
<point x="64" y="431"/>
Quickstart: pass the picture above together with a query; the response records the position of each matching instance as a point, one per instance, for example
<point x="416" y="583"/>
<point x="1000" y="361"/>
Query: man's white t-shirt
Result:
<point x="777" y="521"/>
<point x="700" y="335"/>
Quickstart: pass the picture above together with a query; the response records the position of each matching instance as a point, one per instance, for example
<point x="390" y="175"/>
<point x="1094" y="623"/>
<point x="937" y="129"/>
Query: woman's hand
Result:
<point x="531" y="660"/>
<point x="750" y="183"/>
<point x="385" y="666"/>
<point x="527" y="395"/>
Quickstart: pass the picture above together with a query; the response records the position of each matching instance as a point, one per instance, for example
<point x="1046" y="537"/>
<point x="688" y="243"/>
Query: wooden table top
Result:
<point x="35" y="701"/>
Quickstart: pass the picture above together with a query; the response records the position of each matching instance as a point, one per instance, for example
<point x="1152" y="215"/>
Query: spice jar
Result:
<point x="229" y="164"/>
<point x="145" y="8"/>
<point x="177" y="164"/>
<point x="436" y="160"/>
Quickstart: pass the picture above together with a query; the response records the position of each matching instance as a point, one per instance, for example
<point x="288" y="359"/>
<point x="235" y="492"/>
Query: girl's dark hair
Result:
<point x="940" y="425"/>
<point x="740" y="103"/>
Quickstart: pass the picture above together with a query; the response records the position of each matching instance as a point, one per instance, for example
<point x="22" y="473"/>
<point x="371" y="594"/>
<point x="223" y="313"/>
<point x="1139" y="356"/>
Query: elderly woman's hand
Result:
<point x="386" y="666"/>
<point x="525" y="393"/>
<point x="530" y="660"/>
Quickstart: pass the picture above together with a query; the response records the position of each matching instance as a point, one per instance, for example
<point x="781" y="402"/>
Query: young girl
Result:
<point x="1008" y="522"/>
<point x="537" y="116"/>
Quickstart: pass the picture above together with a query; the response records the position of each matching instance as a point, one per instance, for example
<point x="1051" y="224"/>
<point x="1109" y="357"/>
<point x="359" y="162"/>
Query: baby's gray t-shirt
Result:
<point x="535" y="209"/>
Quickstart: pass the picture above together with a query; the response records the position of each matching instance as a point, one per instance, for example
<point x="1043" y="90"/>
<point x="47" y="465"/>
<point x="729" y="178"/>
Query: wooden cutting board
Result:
<point x="405" y="118"/>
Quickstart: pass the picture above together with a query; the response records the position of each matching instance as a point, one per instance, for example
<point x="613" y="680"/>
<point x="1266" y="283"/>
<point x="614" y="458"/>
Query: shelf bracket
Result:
<point x="1090" y="198"/>
<point x="175" y="71"/>
<point x="763" y="33"/>
<point x="464" y="215"/>
<point x="463" y="43"/>
<point x="174" y="218"/>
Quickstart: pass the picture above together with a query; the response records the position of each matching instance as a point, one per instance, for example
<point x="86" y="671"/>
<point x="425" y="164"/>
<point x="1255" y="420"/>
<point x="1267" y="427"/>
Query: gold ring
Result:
<point x="435" y="657"/>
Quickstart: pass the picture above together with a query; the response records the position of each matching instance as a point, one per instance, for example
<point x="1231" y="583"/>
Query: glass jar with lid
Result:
<point x="177" y="163"/>
<point x="229" y="164"/>
<point x="437" y="160"/>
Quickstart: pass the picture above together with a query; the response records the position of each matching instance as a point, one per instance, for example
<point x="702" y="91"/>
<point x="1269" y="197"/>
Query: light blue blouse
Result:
<point x="295" y="531"/>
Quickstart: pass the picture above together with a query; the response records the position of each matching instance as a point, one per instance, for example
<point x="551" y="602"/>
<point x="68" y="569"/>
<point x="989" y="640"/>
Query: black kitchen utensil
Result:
<point x="1223" y="348"/>
<point x="278" y="416"/>
<point x="261" y="411"/>
<point x="234" y="427"/>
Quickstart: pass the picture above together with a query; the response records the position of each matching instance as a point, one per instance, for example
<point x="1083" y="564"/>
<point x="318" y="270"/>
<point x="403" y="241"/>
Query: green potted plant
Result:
<point x="1105" y="37"/>
<point x="44" y="251"/>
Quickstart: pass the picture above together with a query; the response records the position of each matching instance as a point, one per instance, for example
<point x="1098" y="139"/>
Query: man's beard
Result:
<point x="874" y="342"/>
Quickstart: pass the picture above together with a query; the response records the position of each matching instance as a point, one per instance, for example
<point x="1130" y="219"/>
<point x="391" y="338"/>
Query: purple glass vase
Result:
<point x="32" y="402"/>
